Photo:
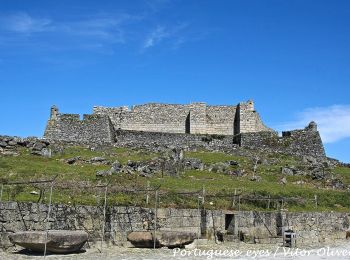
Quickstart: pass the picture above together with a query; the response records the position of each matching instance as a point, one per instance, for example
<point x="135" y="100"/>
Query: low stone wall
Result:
<point x="296" y="142"/>
<point x="185" y="141"/>
<point x="311" y="228"/>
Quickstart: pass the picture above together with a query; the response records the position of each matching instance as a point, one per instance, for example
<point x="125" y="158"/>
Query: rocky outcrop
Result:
<point x="170" y="239"/>
<point x="10" y="144"/>
<point x="57" y="241"/>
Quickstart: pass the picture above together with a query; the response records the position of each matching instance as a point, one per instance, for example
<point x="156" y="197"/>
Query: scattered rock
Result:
<point x="238" y="172"/>
<point x="233" y="163"/>
<point x="9" y="153"/>
<point x="265" y="162"/>
<point x="98" y="161"/>
<point x="46" y="152"/>
<point x="289" y="170"/>
<point x="116" y="165"/>
<point x="337" y="184"/>
<point x="219" y="167"/>
<point x="103" y="173"/>
<point x="255" y="178"/>
<point x="131" y="163"/>
<point x="3" y="144"/>
<point x="283" y="181"/>
<point x="318" y="174"/>
<point x="38" y="146"/>
<point x="73" y="160"/>
<point x="193" y="164"/>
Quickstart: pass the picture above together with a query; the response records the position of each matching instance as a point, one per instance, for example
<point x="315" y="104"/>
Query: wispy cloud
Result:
<point x="162" y="33"/>
<point x="92" y="32"/>
<point x="156" y="36"/>
<point x="24" y="23"/>
<point x="100" y="33"/>
<point x="333" y="122"/>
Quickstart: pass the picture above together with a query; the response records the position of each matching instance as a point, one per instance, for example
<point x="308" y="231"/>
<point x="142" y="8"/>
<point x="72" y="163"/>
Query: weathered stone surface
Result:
<point x="98" y="161"/>
<point x="288" y="170"/>
<point x="57" y="241"/>
<point x="142" y="239"/>
<point x="103" y="173"/>
<point x="170" y="239"/>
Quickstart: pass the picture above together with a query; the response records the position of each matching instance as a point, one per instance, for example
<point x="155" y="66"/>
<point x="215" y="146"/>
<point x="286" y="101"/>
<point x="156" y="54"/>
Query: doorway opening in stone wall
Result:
<point x="188" y="124"/>
<point x="230" y="223"/>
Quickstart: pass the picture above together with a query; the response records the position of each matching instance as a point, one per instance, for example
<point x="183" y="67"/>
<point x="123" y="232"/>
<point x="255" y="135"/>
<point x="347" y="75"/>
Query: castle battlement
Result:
<point x="183" y="125"/>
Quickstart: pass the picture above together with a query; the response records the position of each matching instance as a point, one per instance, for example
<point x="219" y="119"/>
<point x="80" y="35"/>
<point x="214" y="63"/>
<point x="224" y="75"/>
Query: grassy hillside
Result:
<point x="75" y="183"/>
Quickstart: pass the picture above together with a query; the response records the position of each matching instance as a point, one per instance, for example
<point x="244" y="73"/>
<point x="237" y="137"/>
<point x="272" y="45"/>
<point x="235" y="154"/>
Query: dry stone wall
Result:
<point x="311" y="227"/>
<point x="185" y="126"/>
<point x="69" y="127"/>
<point x="185" y="141"/>
<point x="195" y="118"/>
<point x="297" y="142"/>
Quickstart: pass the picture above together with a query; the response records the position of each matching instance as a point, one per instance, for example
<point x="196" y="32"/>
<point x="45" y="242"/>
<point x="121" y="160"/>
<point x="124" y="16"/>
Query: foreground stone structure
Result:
<point x="57" y="241"/>
<point x="250" y="226"/>
<point x="169" y="239"/>
<point x="192" y="126"/>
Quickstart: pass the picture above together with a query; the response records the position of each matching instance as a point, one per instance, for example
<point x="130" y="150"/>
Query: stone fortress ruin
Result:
<point x="217" y="127"/>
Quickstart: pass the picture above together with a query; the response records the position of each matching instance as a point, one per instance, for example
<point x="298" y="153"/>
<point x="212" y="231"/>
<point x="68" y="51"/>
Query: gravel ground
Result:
<point x="224" y="251"/>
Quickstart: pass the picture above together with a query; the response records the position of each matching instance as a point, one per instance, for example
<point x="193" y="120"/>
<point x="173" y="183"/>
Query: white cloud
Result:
<point x="161" y="33"/>
<point x="155" y="37"/>
<point x="333" y="122"/>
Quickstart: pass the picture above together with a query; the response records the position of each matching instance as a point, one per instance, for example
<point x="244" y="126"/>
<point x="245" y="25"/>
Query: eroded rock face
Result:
<point x="58" y="241"/>
<point x="170" y="239"/>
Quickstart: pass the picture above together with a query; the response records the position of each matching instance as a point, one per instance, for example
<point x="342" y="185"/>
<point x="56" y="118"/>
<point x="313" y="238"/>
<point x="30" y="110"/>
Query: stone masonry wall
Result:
<point x="69" y="127"/>
<point x="297" y="142"/>
<point x="249" y="119"/>
<point x="311" y="228"/>
<point x="195" y="118"/>
<point x="220" y="119"/>
<point x="185" y="141"/>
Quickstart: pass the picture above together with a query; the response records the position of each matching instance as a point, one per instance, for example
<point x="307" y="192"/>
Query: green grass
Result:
<point x="210" y="157"/>
<point x="75" y="183"/>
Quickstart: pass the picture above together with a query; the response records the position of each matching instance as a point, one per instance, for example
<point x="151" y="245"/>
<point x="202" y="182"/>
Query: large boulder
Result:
<point x="58" y="241"/>
<point x="141" y="239"/>
<point x="170" y="239"/>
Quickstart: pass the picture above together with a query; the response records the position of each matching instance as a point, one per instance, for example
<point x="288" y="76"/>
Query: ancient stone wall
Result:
<point x="69" y="127"/>
<point x="183" y="126"/>
<point x="297" y="142"/>
<point x="185" y="141"/>
<point x="220" y="119"/>
<point x="311" y="227"/>
<point x="249" y="119"/>
<point x="195" y="118"/>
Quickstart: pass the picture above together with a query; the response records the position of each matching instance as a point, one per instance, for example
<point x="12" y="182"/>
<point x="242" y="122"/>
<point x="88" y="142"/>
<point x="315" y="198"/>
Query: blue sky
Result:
<point x="292" y="57"/>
